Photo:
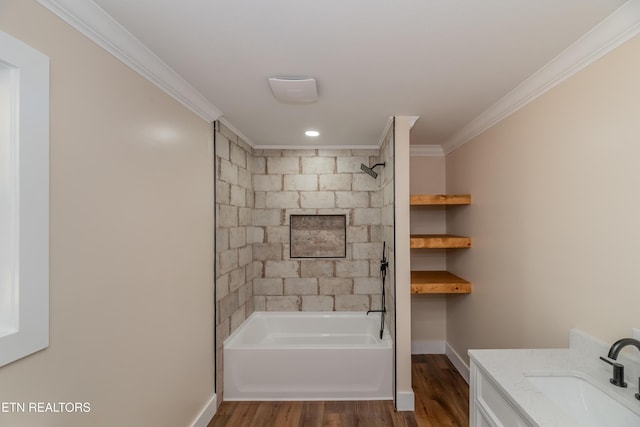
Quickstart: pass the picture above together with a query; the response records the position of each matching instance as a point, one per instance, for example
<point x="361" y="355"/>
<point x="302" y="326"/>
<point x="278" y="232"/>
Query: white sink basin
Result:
<point x="587" y="404"/>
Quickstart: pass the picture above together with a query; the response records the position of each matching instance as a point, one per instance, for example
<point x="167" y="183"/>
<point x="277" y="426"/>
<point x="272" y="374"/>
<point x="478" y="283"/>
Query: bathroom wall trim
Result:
<point x="619" y="27"/>
<point x="92" y="21"/>
<point x="428" y="347"/>
<point x="206" y="414"/>
<point x="458" y="362"/>
<point x="425" y="151"/>
<point x="405" y="401"/>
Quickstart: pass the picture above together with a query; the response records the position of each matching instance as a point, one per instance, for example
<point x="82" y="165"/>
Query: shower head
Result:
<point x="369" y="170"/>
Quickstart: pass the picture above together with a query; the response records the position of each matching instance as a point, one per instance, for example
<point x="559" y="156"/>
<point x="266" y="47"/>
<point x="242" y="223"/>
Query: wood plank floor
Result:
<point x="442" y="400"/>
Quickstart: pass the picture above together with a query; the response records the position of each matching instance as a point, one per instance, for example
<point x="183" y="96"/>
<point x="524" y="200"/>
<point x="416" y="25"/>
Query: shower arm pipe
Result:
<point x="369" y="170"/>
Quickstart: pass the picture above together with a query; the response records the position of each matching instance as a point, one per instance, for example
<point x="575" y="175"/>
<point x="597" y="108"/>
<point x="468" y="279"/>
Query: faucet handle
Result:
<point x="618" y="373"/>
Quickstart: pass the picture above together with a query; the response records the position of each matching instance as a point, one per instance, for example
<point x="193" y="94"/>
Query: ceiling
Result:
<point x="445" y="61"/>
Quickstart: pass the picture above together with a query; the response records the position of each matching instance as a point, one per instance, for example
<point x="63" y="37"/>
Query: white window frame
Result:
<point x="24" y="200"/>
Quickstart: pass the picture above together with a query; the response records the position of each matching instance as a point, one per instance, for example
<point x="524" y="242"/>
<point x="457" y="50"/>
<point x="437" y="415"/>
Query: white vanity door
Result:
<point x="488" y="406"/>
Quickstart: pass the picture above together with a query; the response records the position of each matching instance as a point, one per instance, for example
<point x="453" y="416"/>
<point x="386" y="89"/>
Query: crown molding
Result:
<point x="412" y="120"/>
<point x="92" y="21"/>
<point x="617" y="28"/>
<point x="239" y="134"/>
<point x="316" y="147"/>
<point x="389" y="123"/>
<point x="425" y="151"/>
<point x="387" y="126"/>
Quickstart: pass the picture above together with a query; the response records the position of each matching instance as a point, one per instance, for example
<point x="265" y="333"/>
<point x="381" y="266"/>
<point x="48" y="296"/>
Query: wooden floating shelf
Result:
<point x="438" y="241"/>
<point x="439" y="199"/>
<point x="438" y="282"/>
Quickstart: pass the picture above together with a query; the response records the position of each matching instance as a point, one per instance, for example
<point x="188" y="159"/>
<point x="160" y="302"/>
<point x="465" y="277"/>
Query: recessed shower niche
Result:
<point x="318" y="236"/>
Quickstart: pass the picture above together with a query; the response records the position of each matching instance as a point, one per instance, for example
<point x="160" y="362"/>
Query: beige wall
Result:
<point x="555" y="217"/>
<point x="428" y="312"/>
<point x="401" y="269"/>
<point x="131" y="284"/>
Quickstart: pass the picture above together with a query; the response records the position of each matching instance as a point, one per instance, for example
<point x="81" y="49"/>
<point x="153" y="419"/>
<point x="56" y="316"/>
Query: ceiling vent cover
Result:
<point x="294" y="90"/>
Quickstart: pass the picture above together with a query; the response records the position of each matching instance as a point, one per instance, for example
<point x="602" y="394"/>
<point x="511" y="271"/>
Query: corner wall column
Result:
<point x="404" y="396"/>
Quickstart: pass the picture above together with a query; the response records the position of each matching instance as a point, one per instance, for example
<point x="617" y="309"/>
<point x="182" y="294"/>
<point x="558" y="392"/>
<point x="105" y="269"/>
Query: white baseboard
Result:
<point x="428" y="347"/>
<point x="405" y="401"/>
<point x="206" y="414"/>
<point x="458" y="362"/>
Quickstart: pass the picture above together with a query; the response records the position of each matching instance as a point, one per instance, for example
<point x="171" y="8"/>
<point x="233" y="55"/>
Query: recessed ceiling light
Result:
<point x="312" y="133"/>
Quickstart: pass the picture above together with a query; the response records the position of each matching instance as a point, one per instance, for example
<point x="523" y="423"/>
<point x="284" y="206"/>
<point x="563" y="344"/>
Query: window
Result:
<point x="8" y="288"/>
<point x="24" y="200"/>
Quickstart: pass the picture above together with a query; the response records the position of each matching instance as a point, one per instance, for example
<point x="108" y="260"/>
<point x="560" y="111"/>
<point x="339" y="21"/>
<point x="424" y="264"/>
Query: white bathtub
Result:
<point x="308" y="356"/>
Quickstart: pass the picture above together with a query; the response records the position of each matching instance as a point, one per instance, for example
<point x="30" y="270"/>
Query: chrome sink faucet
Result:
<point x="618" y="369"/>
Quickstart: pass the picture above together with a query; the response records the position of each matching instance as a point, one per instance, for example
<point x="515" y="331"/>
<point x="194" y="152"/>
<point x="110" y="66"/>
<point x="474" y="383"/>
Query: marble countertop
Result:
<point x="509" y="370"/>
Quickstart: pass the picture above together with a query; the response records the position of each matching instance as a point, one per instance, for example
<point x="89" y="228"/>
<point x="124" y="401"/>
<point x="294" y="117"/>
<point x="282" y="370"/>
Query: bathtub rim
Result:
<point x="385" y="343"/>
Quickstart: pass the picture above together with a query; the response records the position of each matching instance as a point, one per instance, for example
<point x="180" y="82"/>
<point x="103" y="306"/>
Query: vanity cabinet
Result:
<point x="488" y="405"/>
<point x="438" y="282"/>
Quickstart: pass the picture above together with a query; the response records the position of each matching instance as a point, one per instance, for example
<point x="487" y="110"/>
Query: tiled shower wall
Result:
<point x="313" y="181"/>
<point x="235" y="268"/>
<point x="387" y="220"/>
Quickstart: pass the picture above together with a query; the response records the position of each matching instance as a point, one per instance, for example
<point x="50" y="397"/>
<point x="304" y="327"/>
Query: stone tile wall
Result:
<point x="313" y="181"/>
<point x="235" y="267"/>
<point x="387" y="220"/>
